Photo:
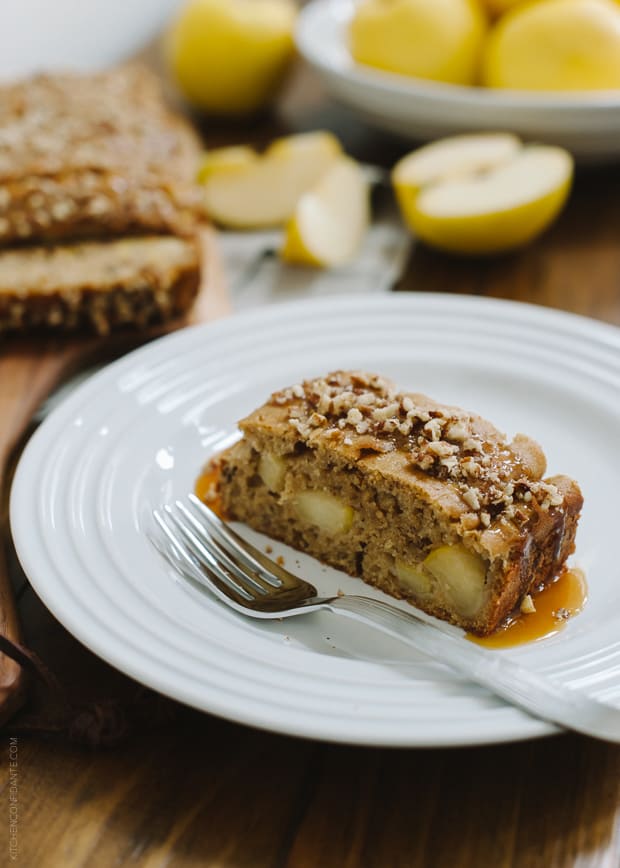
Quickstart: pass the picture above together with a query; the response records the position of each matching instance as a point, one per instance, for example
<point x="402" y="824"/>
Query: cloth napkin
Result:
<point x="256" y="277"/>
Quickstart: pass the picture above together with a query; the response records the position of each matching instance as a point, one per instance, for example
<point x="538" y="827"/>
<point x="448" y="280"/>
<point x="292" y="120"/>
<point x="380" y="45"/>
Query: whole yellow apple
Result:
<point x="556" y="45"/>
<point x="228" y="57"/>
<point x="498" y="7"/>
<point x="436" y="39"/>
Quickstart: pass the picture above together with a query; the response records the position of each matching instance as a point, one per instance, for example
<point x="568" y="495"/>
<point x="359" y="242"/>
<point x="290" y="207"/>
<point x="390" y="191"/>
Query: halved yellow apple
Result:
<point x="264" y="191"/>
<point x="482" y="194"/>
<point x="330" y="221"/>
<point x="454" y="157"/>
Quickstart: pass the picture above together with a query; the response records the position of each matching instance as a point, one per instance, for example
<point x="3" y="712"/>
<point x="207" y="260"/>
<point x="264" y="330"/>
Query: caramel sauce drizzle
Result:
<point x="556" y="604"/>
<point x="207" y="488"/>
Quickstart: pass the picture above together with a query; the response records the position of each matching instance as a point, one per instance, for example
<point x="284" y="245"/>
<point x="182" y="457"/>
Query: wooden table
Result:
<point x="187" y="789"/>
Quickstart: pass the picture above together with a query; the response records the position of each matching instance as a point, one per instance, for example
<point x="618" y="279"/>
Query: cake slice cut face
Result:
<point x="427" y="502"/>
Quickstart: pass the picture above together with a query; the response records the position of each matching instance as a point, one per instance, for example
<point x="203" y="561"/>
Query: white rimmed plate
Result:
<point x="136" y="435"/>
<point x="588" y="124"/>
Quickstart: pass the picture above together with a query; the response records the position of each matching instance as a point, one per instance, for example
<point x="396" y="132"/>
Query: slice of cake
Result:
<point x="98" y="285"/>
<point x="427" y="502"/>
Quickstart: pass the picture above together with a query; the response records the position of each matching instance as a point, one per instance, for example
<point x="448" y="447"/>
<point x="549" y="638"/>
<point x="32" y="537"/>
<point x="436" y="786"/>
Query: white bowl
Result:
<point x="587" y="124"/>
<point x="43" y="35"/>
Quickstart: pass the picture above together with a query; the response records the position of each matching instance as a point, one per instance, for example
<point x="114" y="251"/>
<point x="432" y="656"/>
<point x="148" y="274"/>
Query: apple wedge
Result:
<point x="330" y="221"/>
<point x="220" y="160"/>
<point x="324" y="510"/>
<point x="272" y="470"/>
<point x="263" y="192"/>
<point x="482" y="194"/>
<point x="461" y="574"/>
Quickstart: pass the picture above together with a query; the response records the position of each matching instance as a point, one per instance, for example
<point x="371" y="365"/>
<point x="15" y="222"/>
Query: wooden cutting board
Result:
<point x="30" y="369"/>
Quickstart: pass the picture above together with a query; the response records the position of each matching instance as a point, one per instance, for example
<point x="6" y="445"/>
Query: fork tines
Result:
<point x="206" y="558"/>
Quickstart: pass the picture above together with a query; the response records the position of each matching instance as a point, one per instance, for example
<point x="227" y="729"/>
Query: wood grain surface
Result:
<point x="186" y="789"/>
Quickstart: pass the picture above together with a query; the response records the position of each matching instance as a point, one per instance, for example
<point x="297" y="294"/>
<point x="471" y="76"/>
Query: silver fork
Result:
<point x="203" y="548"/>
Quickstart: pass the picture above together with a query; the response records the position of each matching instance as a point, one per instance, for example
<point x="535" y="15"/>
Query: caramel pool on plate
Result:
<point x="555" y="605"/>
<point x="206" y="488"/>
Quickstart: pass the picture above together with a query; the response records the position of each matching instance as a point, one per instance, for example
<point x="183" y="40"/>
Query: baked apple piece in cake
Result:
<point x="427" y="502"/>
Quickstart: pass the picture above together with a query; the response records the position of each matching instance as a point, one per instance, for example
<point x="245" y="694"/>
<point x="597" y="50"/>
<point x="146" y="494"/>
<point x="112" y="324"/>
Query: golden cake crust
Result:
<point x="94" y="155"/>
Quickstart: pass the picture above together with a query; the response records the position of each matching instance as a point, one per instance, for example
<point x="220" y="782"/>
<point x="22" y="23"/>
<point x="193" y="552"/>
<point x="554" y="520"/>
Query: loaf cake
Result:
<point x="93" y="156"/>
<point x="99" y="210"/>
<point x="429" y="503"/>
<point x="98" y="285"/>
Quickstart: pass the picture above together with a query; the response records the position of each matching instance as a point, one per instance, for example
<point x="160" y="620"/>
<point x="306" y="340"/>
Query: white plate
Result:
<point x="137" y="433"/>
<point x="586" y="124"/>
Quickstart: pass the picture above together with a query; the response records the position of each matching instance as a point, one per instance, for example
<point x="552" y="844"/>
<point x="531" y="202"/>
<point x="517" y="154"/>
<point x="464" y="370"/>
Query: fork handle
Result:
<point x="530" y="691"/>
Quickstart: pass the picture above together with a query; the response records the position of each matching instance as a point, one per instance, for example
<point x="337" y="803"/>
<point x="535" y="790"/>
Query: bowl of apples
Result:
<point x="548" y="70"/>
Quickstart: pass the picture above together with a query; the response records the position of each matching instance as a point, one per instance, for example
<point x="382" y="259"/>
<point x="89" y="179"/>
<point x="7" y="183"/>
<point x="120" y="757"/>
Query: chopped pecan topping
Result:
<point x="365" y="411"/>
